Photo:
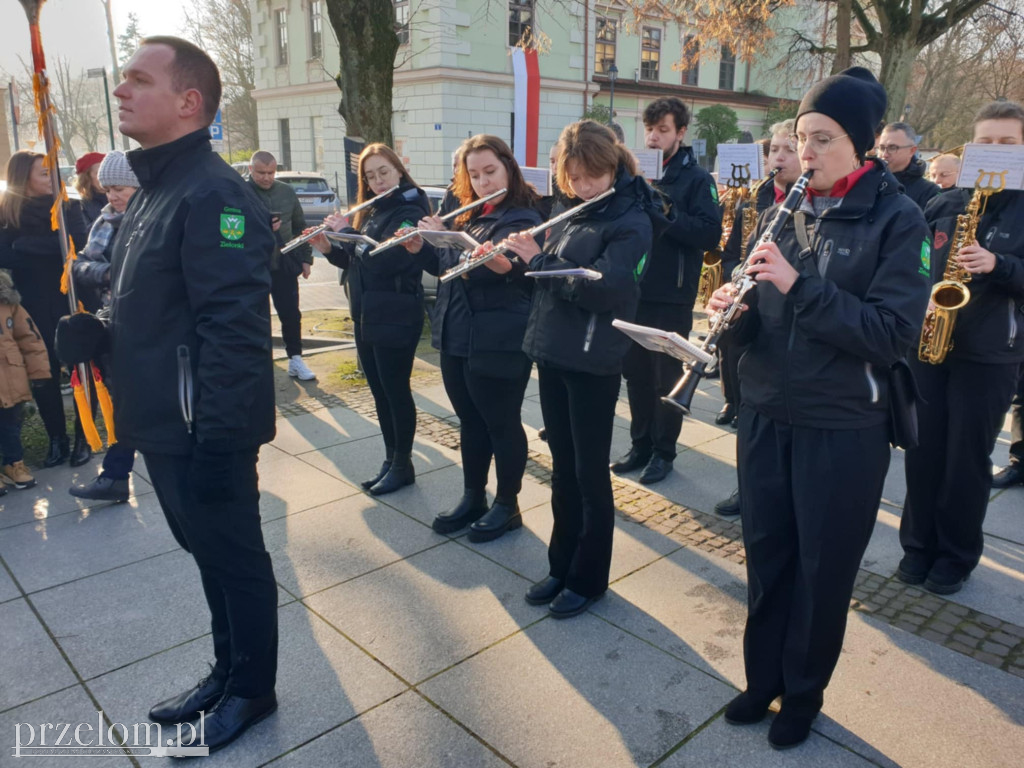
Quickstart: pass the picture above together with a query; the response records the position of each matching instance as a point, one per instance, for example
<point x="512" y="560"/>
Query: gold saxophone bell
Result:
<point x="710" y="276"/>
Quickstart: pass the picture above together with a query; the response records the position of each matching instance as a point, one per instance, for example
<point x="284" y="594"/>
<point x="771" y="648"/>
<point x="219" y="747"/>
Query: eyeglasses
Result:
<point x="889" y="149"/>
<point x="382" y="174"/>
<point x="820" y="142"/>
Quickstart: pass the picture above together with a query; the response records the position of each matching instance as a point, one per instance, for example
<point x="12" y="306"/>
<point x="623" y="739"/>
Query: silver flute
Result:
<point x="295" y="242"/>
<point x="472" y="263"/>
<point x="448" y="216"/>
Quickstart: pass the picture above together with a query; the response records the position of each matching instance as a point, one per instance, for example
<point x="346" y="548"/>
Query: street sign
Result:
<point x="700" y="147"/>
<point x="217" y="133"/>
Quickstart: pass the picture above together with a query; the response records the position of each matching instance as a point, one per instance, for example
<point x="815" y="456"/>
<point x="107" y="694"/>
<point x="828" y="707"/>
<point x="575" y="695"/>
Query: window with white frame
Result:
<point x="281" y="34"/>
<point x="316" y="29"/>
<point x="402" y="21"/>
<point x="727" y="69"/>
<point x="520" y="20"/>
<point x="650" y="53"/>
<point x="691" y="74"/>
<point x="606" y="40"/>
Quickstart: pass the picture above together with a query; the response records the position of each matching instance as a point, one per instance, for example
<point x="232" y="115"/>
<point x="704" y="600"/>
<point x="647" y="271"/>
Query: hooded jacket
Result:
<point x="385" y="290"/>
<point x="190" y="306"/>
<point x="819" y="355"/>
<point x="990" y="328"/>
<point x="915" y="185"/>
<point x="570" y="324"/>
<point x="23" y="355"/>
<point x="673" y="274"/>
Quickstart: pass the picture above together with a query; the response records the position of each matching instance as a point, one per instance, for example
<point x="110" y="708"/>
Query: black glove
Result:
<point x="80" y="338"/>
<point x="211" y="475"/>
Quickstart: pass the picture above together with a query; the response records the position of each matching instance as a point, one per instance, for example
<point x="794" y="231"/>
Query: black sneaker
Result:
<point x="945" y="581"/>
<point x="913" y="568"/>
<point x="103" y="489"/>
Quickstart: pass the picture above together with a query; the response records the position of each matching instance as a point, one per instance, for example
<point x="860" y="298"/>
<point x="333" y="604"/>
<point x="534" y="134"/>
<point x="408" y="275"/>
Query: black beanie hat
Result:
<point x="854" y="99"/>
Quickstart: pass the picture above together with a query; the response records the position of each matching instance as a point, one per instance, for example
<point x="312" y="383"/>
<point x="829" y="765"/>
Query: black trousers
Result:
<point x="729" y="354"/>
<point x="118" y="461"/>
<point x="579" y="412"/>
<point x="949" y="475"/>
<point x="226" y="541"/>
<point x="810" y="499"/>
<point x="388" y="371"/>
<point x="490" y="424"/>
<point x="284" y="290"/>
<point x="1017" y="422"/>
<point x="654" y="427"/>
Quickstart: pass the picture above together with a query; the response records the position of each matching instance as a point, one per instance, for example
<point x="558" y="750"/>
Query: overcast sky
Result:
<point x="77" y="29"/>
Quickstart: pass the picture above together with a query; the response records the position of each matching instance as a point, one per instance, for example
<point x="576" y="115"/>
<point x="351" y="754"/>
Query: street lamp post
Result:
<point x="102" y="72"/>
<point x="613" y="72"/>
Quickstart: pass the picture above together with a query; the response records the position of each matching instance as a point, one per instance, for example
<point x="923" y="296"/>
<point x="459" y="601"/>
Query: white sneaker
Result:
<point x="299" y="370"/>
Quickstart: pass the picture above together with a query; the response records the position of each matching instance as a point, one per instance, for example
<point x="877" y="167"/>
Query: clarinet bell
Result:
<point x="682" y="393"/>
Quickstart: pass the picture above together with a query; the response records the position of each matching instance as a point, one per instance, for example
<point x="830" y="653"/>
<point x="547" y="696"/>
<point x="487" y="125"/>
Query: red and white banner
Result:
<point x="526" y="71"/>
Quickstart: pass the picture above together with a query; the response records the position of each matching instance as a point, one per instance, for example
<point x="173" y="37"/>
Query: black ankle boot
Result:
<point x="368" y="484"/>
<point x="471" y="507"/>
<point x="399" y="475"/>
<point x="81" y="453"/>
<point x="502" y="516"/>
<point x="60" y="449"/>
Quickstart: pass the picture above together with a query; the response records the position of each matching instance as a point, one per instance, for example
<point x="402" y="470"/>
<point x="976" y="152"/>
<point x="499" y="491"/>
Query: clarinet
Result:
<point x="682" y="394"/>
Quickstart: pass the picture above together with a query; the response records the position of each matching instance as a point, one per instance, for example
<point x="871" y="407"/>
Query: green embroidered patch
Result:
<point x="926" y="259"/>
<point x="232" y="226"/>
<point x="640" y="268"/>
<point x="714" y="192"/>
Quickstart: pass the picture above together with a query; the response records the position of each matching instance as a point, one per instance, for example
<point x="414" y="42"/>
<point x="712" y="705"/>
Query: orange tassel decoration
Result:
<point x="92" y="436"/>
<point x="106" y="406"/>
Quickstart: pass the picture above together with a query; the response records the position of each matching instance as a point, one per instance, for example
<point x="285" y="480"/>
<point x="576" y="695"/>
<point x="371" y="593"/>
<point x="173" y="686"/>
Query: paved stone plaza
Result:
<point x="403" y="648"/>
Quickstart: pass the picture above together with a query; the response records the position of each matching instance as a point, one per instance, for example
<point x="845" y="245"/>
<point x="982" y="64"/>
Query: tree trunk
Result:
<point x="897" y="55"/>
<point x="844" y="58"/>
<point x="368" y="43"/>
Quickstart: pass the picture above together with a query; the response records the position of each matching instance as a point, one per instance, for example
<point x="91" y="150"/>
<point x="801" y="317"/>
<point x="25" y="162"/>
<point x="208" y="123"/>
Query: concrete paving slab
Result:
<point x="289" y="485"/>
<point x="996" y="586"/>
<point x="700" y="431"/>
<point x="579" y="692"/>
<point x="321" y="547"/>
<point x="106" y="621"/>
<point x="526" y="551"/>
<point x="1005" y="514"/>
<point x="894" y="491"/>
<point x="429" y="611"/>
<point x="71" y="706"/>
<point x="50" y="498"/>
<point x="30" y="665"/>
<point x="8" y="589"/>
<point x="361" y="459"/>
<point x="747" y="747"/>
<point x="68" y="547"/>
<point x="322" y="428"/>
<point x="533" y="419"/>
<point x="404" y="732"/>
<point x="322" y="681"/>
<point x="434" y="400"/>
<point x="697" y="481"/>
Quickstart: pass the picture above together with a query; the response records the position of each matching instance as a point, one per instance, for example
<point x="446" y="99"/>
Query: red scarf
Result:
<point x="844" y="185"/>
<point x="487" y="208"/>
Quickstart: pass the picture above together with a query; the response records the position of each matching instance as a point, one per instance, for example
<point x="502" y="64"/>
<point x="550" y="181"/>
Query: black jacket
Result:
<point x="915" y="185"/>
<point x="385" y="290"/>
<point x="819" y="355"/>
<point x="613" y="237"/>
<point x="732" y="251"/>
<point x="673" y="274"/>
<point x="483" y="317"/>
<point x="990" y="329"/>
<point x="33" y="254"/>
<point x="190" y="287"/>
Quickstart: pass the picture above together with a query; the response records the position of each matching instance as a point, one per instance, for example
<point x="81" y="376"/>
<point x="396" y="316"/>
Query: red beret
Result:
<point x="88" y="160"/>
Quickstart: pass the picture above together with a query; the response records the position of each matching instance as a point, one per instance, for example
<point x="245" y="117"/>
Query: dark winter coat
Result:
<point x="915" y="183"/>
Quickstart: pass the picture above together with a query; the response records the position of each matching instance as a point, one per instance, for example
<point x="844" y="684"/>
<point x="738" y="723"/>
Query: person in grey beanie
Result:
<point x="91" y="271"/>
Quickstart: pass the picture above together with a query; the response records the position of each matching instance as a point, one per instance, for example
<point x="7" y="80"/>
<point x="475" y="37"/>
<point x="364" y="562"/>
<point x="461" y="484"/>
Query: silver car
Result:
<point x="315" y="195"/>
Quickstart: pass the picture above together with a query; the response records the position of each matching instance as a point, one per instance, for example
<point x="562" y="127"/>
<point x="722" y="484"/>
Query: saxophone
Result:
<point x="750" y="213"/>
<point x="951" y="293"/>
<point x="736" y="192"/>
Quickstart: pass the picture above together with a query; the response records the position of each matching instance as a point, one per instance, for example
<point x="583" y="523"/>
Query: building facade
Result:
<point x="454" y="76"/>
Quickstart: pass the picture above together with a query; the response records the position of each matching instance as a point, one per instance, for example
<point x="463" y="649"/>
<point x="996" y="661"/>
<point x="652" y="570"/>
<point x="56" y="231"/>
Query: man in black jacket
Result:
<point x="192" y="372"/>
<point x="898" y="147"/>
<point x="668" y="290"/>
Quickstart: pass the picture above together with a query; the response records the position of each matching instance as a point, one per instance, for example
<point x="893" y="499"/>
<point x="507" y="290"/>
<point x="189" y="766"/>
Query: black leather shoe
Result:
<point x="471" y="507"/>
<point x="60" y="450"/>
<point x="542" y="433"/>
<point x="368" y="484"/>
<point x="657" y="469"/>
<point x="81" y="453"/>
<point x="1011" y="474"/>
<point x="789" y="729"/>
<point x="913" y="568"/>
<point x="726" y="415"/>
<point x="944" y="581"/>
<point x="567" y="603"/>
<point x="502" y="516"/>
<point x="232" y="717"/>
<point x="103" y="489"/>
<point x="632" y="460"/>
<point x="187" y="706"/>
<point x="399" y="475"/>
<point x="544" y="591"/>
<point x="747" y="709"/>
<point x="729" y="507"/>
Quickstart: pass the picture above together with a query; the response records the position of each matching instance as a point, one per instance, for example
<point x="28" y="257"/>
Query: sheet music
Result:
<point x="445" y="239"/>
<point x="657" y="340"/>
<point x="650" y="161"/>
<point x="742" y="162"/>
<point x="985" y="163"/>
<point x="539" y="177"/>
<point x="351" y="237"/>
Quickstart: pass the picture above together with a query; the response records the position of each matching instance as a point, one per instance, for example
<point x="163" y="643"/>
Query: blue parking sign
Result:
<point x="217" y="128"/>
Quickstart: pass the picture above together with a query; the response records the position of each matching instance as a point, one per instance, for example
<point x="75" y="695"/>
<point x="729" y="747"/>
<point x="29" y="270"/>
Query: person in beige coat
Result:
<point x="23" y="362"/>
